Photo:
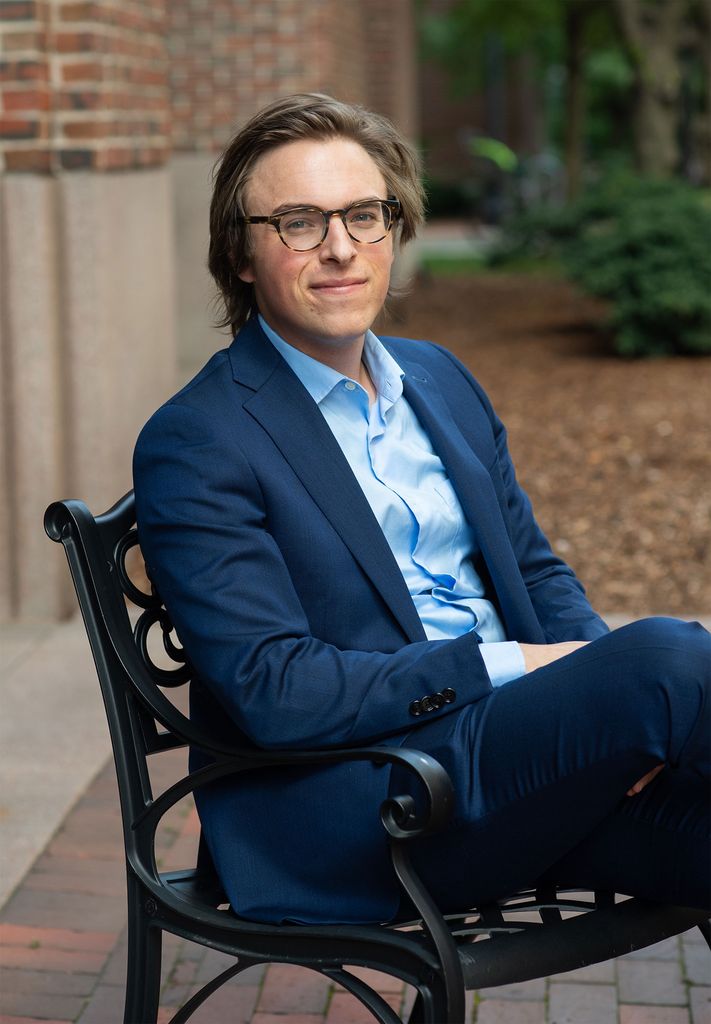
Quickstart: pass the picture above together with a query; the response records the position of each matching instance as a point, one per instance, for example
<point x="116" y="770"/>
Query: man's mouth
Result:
<point x="338" y="286"/>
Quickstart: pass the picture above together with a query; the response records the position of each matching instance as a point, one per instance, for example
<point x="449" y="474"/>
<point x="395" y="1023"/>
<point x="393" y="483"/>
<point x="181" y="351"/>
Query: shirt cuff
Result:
<point x="503" y="661"/>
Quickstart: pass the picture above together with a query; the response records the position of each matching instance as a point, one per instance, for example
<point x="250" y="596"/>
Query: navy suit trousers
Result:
<point x="541" y="795"/>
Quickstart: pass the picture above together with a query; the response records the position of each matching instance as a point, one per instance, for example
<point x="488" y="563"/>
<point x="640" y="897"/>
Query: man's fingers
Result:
<point x="538" y="655"/>
<point x="644" y="781"/>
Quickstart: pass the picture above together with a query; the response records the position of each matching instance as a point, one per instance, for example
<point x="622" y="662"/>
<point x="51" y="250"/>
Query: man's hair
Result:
<point x="303" y="116"/>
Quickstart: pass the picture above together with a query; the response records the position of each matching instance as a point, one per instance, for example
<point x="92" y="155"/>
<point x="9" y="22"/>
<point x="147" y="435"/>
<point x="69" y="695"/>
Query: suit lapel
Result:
<point x="476" y="493"/>
<point x="286" y="411"/>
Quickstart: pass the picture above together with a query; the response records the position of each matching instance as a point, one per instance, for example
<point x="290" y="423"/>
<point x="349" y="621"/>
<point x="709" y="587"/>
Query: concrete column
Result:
<point x="117" y="242"/>
<point x="192" y="189"/>
<point x="88" y="352"/>
<point x="32" y="582"/>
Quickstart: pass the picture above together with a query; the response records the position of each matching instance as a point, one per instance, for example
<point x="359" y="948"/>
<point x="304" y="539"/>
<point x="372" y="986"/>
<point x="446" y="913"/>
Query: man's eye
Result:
<point x="364" y="215"/>
<point x="298" y="224"/>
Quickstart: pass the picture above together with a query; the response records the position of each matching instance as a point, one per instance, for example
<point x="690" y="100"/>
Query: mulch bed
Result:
<point x="615" y="454"/>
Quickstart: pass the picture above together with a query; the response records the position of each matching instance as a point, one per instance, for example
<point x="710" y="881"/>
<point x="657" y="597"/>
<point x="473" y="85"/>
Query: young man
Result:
<point x="334" y="523"/>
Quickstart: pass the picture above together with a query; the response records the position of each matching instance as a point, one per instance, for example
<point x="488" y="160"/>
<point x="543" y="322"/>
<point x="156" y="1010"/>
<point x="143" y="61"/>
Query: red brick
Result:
<point x="7" y="1019"/>
<point x="60" y="983"/>
<point x="508" y="1011"/>
<point x="700" y="1004"/>
<point x="80" y="42"/>
<point x="279" y="1018"/>
<point x="288" y="988"/>
<point x="105" y="1005"/>
<point x="88" y="129"/>
<point x="26" y="99"/>
<point x="16" y="10"/>
<point x="582" y="1002"/>
<point x="63" y="909"/>
<point x="56" y="938"/>
<point x="23" y="71"/>
<point x="82" y="99"/>
<point x="57" y="874"/>
<point x="80" y="12"/>
<point x="654" y="1015"/>
<point x="36" y="1004"/>
<point x="82" y="71"/>
<point x="42" y="959"/>
<point x="14" y="40"/>
<point x="18" y="128"/>
<point x="651" y="981"/>
<point x="346" y="1009"/>
<point x="24" y="160"/>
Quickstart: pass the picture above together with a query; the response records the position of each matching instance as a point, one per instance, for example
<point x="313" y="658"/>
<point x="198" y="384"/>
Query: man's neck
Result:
<point x="345" y="358"/>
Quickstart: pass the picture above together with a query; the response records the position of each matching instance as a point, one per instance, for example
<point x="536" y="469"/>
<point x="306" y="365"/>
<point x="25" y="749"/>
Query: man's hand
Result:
<point x="645" y="780"/>
<point x="537" y="655"/>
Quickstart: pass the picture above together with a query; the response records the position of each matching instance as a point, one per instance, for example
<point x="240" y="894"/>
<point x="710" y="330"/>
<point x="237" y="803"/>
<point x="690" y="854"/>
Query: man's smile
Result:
<point x="338" y="286"/>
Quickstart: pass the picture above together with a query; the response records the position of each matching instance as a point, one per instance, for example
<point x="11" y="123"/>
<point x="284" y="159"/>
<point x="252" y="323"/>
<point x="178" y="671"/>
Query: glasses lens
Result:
<point x="302" y="229"/>
<point x="368" y="222"/>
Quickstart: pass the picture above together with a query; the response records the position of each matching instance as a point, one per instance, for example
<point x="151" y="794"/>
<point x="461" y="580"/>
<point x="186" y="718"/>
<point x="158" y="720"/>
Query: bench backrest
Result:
<point x="120" y="618"/>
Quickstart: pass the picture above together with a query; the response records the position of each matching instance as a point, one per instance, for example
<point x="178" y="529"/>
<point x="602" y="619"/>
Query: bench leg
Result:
<point x="430" y="1007"/>
<point x="144" y="960"/>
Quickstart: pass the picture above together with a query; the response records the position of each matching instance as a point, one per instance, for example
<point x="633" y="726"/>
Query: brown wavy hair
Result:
<point x="303" y="116"/>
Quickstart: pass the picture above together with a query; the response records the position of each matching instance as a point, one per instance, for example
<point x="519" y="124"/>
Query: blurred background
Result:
<point x="567" y="152"/>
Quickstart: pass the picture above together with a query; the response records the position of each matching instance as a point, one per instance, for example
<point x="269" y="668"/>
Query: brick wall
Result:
<point x="391" y="71"/>
<point x="111" y="84"/>
<point x="84" y="84"/>
<point x="230" y="57"/>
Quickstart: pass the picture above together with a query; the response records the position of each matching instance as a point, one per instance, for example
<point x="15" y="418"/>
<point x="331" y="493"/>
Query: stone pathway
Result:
<point x="64" y="946"/>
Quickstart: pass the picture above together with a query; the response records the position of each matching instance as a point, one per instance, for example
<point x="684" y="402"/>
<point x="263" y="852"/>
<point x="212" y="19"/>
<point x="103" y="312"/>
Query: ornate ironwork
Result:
<point x="154" y="613"/>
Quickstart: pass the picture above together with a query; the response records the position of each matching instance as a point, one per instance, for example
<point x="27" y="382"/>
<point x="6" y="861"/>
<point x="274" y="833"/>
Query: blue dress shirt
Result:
<point x="412" y="498"/>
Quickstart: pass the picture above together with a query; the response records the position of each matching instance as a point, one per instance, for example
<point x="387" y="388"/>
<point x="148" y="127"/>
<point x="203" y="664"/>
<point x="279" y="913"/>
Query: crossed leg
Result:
<point x="542" y="766"/>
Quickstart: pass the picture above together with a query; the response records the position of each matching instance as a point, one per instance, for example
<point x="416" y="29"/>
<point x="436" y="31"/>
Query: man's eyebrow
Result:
<point x="285" y="207"/>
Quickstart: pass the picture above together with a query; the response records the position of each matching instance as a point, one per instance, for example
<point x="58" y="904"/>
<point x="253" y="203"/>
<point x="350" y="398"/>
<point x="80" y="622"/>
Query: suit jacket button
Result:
<point x="449" y="695"/>
<point x="438" y="700"/>
<point x="426" y="704"/>
<point x="415" y="708"/>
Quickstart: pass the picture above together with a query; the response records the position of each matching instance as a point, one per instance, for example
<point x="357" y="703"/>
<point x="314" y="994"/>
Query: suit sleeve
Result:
<point x="557" y="595"/>
<point x="206" y="541"/>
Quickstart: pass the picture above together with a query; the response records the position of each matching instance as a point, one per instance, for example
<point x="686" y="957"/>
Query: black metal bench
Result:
<point x="529" y="935"/>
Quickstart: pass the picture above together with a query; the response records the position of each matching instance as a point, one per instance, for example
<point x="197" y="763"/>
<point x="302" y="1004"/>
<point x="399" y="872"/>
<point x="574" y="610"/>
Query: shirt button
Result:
<point x="350" y="386"/>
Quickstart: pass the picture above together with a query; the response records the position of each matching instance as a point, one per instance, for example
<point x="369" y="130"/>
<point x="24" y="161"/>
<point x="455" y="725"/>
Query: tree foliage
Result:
<point x="636" y="72"/>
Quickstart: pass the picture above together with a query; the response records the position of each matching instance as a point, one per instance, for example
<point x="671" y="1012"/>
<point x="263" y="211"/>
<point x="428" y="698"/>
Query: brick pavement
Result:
<point x="64" y="946"/>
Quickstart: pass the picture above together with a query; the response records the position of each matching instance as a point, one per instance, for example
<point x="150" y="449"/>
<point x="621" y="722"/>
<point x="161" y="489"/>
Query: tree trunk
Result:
<point x="575" y="13"/>
<point x="652" y="30"/>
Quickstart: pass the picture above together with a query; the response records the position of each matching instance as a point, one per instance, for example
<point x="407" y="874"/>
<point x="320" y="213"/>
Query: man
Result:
<point x="334" y="523"/>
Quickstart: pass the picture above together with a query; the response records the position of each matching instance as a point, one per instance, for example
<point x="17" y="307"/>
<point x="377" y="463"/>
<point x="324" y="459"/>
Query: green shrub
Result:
<point x="653" y="263"/>
<point x="645" y="246"/>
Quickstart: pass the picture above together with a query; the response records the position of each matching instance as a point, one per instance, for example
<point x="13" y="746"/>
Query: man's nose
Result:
<point x="338" y="244"/>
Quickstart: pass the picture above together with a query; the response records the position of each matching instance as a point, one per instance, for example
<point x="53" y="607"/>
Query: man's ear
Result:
<point x="246" y="274"/>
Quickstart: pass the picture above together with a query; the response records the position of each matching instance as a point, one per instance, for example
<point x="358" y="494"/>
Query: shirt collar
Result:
<point x="319" y="379"/>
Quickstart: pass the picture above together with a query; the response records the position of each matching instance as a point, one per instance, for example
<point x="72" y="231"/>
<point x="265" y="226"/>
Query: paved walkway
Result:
<point x="62" y="934"/>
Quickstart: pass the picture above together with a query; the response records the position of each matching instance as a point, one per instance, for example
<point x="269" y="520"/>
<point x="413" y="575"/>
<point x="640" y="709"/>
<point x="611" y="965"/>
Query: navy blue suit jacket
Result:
<point x="297" y="619"/>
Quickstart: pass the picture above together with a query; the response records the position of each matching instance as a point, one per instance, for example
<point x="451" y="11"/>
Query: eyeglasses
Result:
<point x="306" y="227"/>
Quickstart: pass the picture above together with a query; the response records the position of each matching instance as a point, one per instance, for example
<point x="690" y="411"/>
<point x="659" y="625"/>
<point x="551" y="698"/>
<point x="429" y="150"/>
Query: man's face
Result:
<point x="321" y="301"/>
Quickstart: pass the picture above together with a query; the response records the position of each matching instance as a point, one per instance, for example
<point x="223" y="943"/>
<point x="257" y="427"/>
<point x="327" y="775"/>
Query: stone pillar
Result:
<point x="86" y="248"/>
